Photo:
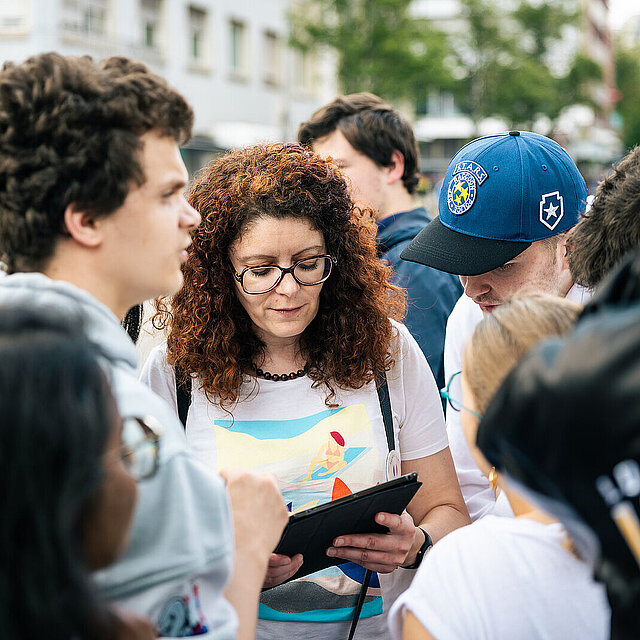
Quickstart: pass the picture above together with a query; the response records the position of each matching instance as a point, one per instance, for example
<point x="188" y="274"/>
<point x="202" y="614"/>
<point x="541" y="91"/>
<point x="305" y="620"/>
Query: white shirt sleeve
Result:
<point x="477" y="493"/>
<point x="415" y="400"/>
<point x="504" y="578"/>
<point x="441" y="596"/>
<point x="160" y="376"/>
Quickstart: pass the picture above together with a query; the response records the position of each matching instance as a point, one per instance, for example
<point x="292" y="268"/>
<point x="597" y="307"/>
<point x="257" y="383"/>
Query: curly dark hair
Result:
<point x="611" y="227"/>
<point x="211" y="334"/>
<point x="372" y="127"/>
<point x="70" y="133"/>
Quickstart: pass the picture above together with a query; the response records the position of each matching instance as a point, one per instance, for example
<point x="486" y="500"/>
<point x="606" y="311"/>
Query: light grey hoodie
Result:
<point x="181" y="550"/>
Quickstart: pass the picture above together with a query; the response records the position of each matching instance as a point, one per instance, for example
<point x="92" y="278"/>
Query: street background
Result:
<point x="254" y="69"/>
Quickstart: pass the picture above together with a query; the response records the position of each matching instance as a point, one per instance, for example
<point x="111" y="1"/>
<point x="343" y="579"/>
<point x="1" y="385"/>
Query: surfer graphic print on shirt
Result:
<point x="316" y="459"/>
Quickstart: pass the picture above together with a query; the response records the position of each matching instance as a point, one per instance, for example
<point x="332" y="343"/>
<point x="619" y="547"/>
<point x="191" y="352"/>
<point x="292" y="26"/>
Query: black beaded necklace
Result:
<point x="278" y="377"/>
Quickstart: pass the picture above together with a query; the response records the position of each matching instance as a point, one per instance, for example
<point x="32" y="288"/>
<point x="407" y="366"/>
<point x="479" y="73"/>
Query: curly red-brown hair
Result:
<point x="211" y="334"/>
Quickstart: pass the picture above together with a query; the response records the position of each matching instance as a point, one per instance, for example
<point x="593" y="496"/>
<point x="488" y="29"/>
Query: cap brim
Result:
<point x="442" y="248"/>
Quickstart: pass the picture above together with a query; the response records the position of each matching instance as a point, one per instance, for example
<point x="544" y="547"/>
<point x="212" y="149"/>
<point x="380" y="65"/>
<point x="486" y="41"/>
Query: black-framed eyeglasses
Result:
<point x="453" y="394"/>
<point x="306" y="272"/>
<point x="140" y="446"/>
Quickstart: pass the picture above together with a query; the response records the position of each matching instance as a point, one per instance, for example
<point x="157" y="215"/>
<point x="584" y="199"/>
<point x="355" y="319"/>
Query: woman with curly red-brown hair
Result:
<point x="286" y="320"/>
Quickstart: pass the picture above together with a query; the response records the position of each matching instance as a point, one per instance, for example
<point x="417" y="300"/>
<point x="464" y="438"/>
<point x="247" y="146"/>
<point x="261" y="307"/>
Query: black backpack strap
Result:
<point x="183" y="396"/>
<point x="385" y="407"/>
<point x="361" y="598"/>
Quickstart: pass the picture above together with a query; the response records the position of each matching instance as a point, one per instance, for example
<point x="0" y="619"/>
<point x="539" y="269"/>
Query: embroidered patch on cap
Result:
<point x="463" y="186"/>
<point x="551" y="209"/>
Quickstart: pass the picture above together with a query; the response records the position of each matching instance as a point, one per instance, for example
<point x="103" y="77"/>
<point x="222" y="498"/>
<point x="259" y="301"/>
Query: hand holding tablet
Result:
<point x="312" y="532"/>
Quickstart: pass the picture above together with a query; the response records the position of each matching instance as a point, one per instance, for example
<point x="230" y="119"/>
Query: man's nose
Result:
<point x="475" y="286"/>
<point x="190" y="217"/>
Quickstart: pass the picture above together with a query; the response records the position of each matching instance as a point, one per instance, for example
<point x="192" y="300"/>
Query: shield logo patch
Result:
<point x="551" y="209"/>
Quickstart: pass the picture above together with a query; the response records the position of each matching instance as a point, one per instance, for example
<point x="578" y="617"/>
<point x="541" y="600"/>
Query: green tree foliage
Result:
<point x="506" y="61"/>
<point x="380" y="46"/>
<point x="628" y="81"/>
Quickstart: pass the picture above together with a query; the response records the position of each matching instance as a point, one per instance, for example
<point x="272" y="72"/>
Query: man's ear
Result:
<point x="396" y="168"/>
<point x="564" y="247"/>
<point x="81" y="226"/>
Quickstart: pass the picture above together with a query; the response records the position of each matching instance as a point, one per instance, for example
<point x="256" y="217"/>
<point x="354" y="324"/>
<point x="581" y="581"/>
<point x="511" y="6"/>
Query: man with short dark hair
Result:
<point x="507" y="206"/>
<point x="93" y="221"/>
<point x="611" y="226"/>
<point x="376" y="149"/>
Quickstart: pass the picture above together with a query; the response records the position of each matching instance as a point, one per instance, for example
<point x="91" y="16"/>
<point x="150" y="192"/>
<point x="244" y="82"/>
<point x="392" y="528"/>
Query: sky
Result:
<point x="621" y="10"/>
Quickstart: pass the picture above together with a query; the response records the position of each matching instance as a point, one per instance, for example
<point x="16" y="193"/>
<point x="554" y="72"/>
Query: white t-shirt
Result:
<point x="505" y="578"/>
<point x="477" y="493"/>
<point x="317" y="453"/>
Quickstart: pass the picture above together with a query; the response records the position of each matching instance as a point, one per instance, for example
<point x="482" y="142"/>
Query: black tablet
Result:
<point x="312" y="532"/>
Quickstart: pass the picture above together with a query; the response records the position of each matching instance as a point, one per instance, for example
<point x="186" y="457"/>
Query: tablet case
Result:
<point x="312" y="532"/>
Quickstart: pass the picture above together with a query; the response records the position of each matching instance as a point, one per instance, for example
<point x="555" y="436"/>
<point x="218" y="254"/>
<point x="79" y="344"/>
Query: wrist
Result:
<point x="418" y="541"/>
<point x="423" y="539"/>
<point x="251" y="551"/>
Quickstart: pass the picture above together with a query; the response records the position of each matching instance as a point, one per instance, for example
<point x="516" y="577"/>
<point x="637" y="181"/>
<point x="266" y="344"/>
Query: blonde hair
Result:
<point x="506" y="335"/>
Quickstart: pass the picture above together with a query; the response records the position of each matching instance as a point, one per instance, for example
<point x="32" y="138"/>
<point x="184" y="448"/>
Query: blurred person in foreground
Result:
<point x="375" y="147"/>
<point x="507" y="207"/>
<point x="93" y="221"/>
<point x="504" y="577"/>
<point x="565" y="427"/>
<point x="611" y="226"/>
<point x="286" y="323"/>
<point x="69" y="468"/>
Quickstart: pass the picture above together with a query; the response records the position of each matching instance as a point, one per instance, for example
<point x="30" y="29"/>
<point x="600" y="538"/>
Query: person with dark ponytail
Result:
<point x="68" y="466"/>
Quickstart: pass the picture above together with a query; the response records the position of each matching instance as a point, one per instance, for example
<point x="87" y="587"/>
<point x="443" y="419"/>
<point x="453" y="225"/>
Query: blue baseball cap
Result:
<point x="500" y="193"/>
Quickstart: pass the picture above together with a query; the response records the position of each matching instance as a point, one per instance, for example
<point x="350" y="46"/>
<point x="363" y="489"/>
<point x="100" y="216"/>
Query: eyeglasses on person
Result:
<point x="306" y="272"/>
<point x="140" y="446"/>
<point x="452" y="393"/>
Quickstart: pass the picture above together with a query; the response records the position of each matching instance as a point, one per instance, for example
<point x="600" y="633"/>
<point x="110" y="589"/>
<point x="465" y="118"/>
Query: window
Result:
<point x="238" y="48"/>
<point x="150" y="23"/>
<point x="271" y="58"/>
<point x="198" y="41"/>
<point x="303" y="70"/>
<point x="14" y="17"/>
<point x="85" y="16"/>
<point x="440" y="103"/>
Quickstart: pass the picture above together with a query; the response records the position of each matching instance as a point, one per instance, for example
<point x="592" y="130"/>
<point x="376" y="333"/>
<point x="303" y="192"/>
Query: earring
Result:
<point x="493" y="479"/>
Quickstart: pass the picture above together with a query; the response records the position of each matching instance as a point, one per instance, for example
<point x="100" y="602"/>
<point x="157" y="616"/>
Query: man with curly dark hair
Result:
<point x="611" y="227"/>
<point x="71" y="134"/>
<point x="286" y="321"/>
<point x="376" y="149"/>
<point x="93" y="221"/>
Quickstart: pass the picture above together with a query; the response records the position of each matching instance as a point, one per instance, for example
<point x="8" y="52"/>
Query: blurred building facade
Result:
<point x="591" y="138"/>
<point x="597" y="43"/>
<point x="440" y="128"/>
<point x="230" y="58"/>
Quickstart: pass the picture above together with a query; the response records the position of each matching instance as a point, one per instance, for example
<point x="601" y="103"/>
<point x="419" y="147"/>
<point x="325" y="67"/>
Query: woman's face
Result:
<point x="106" y="529"/>
<point x="287" y="310"/>
<point x="470" y="426"/>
